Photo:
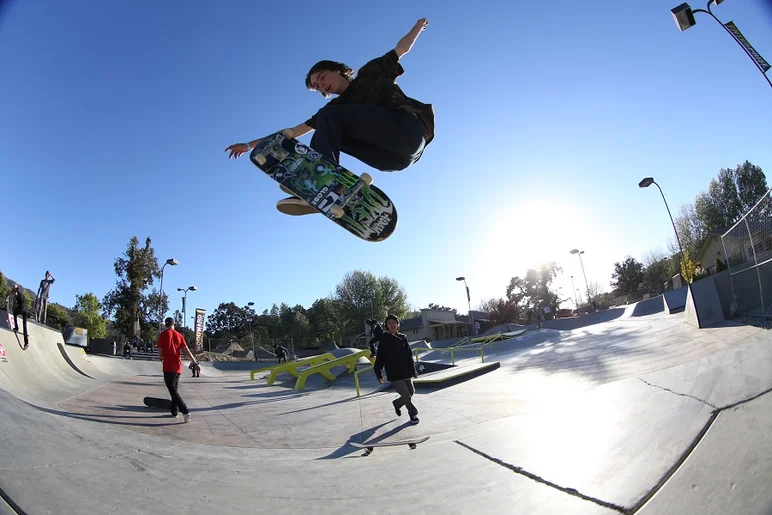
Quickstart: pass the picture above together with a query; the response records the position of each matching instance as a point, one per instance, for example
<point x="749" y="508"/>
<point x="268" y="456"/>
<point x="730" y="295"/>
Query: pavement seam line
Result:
<point x="71" y="463"/>
<point x="679" y="394"/>
<point x="749" y="399"/>
<point x="680" y="461"/>
<point x="713" y="416"/>
<point x="11" y="503"/>
<point x="519" y="470"/>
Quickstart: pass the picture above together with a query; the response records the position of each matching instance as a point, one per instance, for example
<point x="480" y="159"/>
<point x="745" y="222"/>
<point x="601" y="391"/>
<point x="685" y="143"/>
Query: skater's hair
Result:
<point x="330" y="66"/>
<point x="169" y="321"/>
<point x="391" y="317"/>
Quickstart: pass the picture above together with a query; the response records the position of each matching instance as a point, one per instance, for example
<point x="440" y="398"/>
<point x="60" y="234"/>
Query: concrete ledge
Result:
<point x="703" y="306"/>
<point x="454" y="375"/>
<point x="674" y="300"/>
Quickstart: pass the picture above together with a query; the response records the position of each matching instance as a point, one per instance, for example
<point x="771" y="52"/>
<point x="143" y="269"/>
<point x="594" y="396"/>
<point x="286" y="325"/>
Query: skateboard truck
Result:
<point x="337" y="210"/>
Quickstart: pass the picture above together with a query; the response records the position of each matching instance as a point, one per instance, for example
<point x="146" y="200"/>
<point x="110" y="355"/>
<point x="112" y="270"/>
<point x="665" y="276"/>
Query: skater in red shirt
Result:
<point x="170" y="343"/>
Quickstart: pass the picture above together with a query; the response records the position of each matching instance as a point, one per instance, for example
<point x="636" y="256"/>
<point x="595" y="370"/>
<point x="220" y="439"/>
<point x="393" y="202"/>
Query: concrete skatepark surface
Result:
<point x="631" y="414"/>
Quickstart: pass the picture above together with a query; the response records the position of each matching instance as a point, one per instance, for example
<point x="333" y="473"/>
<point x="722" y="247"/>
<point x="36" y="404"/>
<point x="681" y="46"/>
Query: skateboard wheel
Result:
<point x="260" y="158"/>
<point x="287" y="133"/>
<point x="412" y="446"/>
<point x="336" y="211"/>
<point x="366" y="178"/>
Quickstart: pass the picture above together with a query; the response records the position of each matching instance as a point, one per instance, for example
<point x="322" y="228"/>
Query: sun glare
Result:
<point x="526" y="233"/>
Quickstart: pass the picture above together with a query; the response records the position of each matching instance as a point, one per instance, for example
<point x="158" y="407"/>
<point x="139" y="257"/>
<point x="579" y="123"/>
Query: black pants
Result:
<point x="16" y="313"/>
<point x="172" y="380"/>
<point x="387" y="140"/>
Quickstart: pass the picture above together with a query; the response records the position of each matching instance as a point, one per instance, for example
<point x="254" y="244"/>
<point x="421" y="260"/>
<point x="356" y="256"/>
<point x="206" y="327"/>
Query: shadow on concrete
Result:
<point x="101" y="418"/>
<point x="362" y="437"/>
<point x="588" y="354"/>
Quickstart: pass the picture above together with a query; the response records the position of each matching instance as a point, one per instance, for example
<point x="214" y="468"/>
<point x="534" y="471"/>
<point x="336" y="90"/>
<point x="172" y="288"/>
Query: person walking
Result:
<point x="394" y="354"/>
<point x="170" y="343"/>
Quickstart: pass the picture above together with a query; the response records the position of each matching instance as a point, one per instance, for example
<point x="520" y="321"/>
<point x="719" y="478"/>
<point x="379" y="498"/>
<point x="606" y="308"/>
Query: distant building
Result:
<point x="435" y="324"/>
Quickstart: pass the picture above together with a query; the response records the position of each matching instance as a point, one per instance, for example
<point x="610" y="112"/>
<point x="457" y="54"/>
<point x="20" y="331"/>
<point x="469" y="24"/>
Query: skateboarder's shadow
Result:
<point x="362" y="437"/>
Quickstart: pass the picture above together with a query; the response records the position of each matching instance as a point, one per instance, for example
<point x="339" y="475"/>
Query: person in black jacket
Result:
<point x="394" y="354"/>
<point x="20" y="309"/>
<point x="375" y="331"/>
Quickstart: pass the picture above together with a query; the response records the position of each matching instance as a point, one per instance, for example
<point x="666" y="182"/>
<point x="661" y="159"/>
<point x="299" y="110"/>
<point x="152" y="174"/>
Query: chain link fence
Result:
<point x="748" y="252"/>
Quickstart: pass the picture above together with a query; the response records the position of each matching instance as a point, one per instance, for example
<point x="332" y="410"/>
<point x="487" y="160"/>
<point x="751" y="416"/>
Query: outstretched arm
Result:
<point x="406" y="43"/>
<point x="240" y="148"/>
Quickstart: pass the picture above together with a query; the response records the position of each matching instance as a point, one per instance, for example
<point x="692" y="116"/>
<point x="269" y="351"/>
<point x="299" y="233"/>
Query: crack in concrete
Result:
<point x="538" y="479"/>
<point x="11" y="503"/>
<point x="680" y="461"/>
<point x="679" y="394"/>
<point x="713" y="417"/>
<point x="71" y="463"/>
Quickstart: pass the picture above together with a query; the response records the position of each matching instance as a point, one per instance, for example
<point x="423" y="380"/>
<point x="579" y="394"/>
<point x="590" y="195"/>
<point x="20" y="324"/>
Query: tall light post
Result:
<point x="251" y="339"/>
<point x="684" y="18"/>
<point x="469" y="303"/>
<point x="170" y="261"/>
<point x="185" y="302"/>
<point x="589" y="299"/>
<point x="645" y="183"/>
<point x="573" y="289"/>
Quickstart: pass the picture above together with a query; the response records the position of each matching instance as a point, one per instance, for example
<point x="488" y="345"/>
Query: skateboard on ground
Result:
<point x="155" y="402"/>
<point x="350" y="201"/>
<point x="369" y="447"/>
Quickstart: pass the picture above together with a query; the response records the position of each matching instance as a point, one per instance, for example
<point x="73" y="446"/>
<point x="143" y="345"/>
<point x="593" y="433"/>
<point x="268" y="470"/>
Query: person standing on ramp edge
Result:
<point x="394" y="354"/>
<point x="170" y="342"/>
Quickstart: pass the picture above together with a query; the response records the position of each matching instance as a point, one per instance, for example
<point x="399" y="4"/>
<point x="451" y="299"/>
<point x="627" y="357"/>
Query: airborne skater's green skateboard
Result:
<point x="350" y="201"/>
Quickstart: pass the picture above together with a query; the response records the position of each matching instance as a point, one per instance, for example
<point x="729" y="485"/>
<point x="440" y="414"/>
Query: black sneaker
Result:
<point x="396" y="409"/>
<point x="414" y="420"/>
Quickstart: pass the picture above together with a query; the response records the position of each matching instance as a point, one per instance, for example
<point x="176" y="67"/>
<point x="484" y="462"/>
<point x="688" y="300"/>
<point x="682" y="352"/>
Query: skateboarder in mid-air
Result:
<point x="371" y="119"/>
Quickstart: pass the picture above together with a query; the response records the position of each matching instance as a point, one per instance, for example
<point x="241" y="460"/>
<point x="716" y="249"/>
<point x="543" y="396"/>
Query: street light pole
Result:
<point x="573" y="289"/>
<point x="251" y="339"/>
<point x="684" y="18"/>
<point x="645" y="183"/>
<point x="589" y="299"/>
<point x="173" y="262"/>
<point x="469" y="303"/>
<point x="185" y="303"/>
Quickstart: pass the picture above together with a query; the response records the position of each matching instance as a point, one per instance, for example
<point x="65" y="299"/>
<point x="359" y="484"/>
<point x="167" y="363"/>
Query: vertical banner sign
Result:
<point x="764" y="65"/>
<point x="199" y="329"/>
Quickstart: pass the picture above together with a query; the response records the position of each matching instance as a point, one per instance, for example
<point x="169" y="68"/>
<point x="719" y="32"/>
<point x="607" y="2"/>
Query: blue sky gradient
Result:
<point x="115" y="117"/>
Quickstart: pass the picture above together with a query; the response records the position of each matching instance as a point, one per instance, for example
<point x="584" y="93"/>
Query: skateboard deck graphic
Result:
<point x="155" y="402"/>
<point x="350" y="201"/>
<point x="370" y="446"/>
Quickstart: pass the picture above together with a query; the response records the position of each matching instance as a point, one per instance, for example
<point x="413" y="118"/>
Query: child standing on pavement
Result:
<point x="394" y="354"/>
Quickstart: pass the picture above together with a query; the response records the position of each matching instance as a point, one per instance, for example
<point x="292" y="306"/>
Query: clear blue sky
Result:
<point x="114" y="117"/>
